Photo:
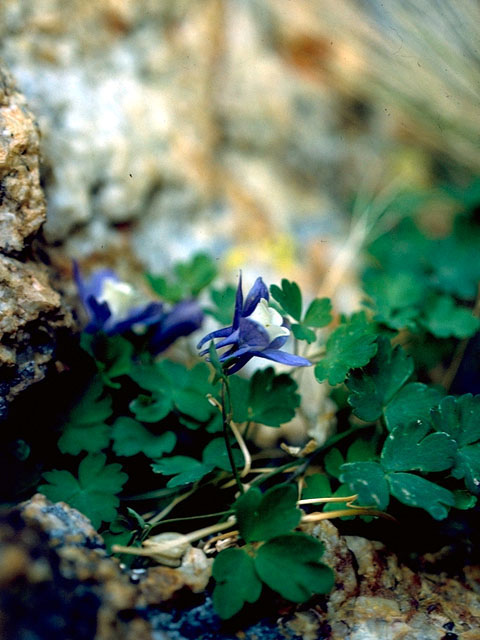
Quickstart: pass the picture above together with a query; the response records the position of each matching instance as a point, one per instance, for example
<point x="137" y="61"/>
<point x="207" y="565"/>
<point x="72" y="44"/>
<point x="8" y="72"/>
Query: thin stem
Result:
<point x="226" y="434"/>
<point x="169" y="507"/>
<point x="274" y="472"/>
<point x="165" y="546"/>
<point x="246" y="430"/>
<point x="203" y="516"/>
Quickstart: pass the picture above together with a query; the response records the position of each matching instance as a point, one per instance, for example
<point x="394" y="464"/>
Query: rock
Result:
<point x="157" y="117"/>
<point x="32" y="320"/>
<point x="52" y="588"/>
<point x="32" y="314"/>
<point x="162" y="583"/>
<point x="63" y="525"/>
<point x="378" y="598"/>
<point x="22" y="202"/>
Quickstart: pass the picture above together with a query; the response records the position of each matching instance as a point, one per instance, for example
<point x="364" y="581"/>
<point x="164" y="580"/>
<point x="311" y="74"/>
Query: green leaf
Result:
<point x="302" y="332"/>
<point x="460" y="419"/>
<point x="215" y="455"/>
<point x="297" y="556"/>
<point x="263" y="516"/>
<point x="412" y="402"/>
<point x="372" y="388"/>
<point x="367" y="479"/>
<point x="93" y="493"/>
<point x="318" y="313"/>
<point x="151" y="408"/>
<point x="272" y="399"/>
<point x="397" y="297"/>
<point x="362" y="449"/>
<point x="445" y="319"/>
<point x="289" y="298"/>
<point x="351" y="345"/>
<point x="316" y="486"/>
<point x="173" y="385"/>
<point x="184" y="469"/>
<point x="408" y="448"/>
<point x="192" y="404"/>
<point x="85" y="428"/>
<point x="90" y="438"/>
<point x="188" y="470"/>
<point x="415" y="491"/>
<point x="454" y="261"/>
<point x="464" y="499"/>
<point x="149" y="377"/>
<point x="239" y="392"/>
<point x="224" y="301"/>
<point x="130" y="438"/>
<point x="118" y="533"/>
<point x="113" y="356"/>
<point x="236" y="582"/>
<point x="197" y="273"/>
<point x="190" y="278"/>
<point x="332" y="461"/>
<point x="170" y="291"/>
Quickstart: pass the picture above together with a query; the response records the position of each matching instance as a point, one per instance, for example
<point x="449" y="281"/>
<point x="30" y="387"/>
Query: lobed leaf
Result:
<point x="459" y="417"/>
<point x="372" y="387"/>
<point x="412" y="402"/>
<point x="130" y="438"/>
<point x="236" y="582"/>
<point x="272" y="399"/>
<point x="85" y="428"/>
<point x="264" y="516"/>
<point x="351" y="345"/>
<point x="408" y="448"/>
<point x="95" y="491"/>
<point x="367" y="479"/>
<point x="319" y="313"/>
<point x="415" y="491"/>
<point x="290" y="565"/>
<point x="289" y="298"/>
<point x="445" y="319"/>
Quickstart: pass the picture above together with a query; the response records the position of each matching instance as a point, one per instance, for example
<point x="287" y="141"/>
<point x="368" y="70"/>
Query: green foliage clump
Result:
<point x="150" y="433"/>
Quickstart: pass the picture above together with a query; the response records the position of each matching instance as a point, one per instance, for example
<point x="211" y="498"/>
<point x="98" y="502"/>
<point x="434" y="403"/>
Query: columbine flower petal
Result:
<point x="270" y="319"/>
<point x="113" y="306"/>
<point x="257" y="330"/>
<point x="185" y="318"/>
<point x="258" y="292"/>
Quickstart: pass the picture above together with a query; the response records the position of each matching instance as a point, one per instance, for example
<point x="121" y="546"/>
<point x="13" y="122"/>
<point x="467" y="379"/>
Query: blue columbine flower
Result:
<point x="257" y="330"/>
<point x="113" y="306"/>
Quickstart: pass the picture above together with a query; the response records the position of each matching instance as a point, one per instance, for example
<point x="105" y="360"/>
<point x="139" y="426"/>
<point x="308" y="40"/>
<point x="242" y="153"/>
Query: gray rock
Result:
<point x="182" y="119"/>
<point x="22" y="203"/>
<point x="31" y="312"/>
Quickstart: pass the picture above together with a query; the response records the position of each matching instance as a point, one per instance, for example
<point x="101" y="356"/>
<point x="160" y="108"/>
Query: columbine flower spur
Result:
<point x="257" y="330"/>
<point x="114" y="307"/>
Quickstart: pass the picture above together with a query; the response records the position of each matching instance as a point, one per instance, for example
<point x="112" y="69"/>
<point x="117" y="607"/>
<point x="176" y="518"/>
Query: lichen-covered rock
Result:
<point x="32" y="313"/>
<point x="52" y="592"/>
<point x="63" y="525"/>
<point x="32" y="316"/>
<point x="376" y="597"/>
<point x="22" y="202"/>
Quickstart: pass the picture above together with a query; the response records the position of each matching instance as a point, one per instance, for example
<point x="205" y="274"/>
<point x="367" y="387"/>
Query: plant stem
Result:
<point x="226" y="433"/>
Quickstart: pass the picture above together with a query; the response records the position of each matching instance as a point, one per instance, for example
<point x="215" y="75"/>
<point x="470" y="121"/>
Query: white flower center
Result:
<point x="120" y="297"/>
<point x="270" y="319"/>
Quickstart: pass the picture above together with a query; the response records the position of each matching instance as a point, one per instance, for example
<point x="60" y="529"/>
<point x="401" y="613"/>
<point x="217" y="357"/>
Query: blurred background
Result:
<point x="274" y="134"/>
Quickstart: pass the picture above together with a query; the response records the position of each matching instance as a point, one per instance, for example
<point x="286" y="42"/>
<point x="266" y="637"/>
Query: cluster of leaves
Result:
<point x="161" y="427"/>
<point x="426" y="283"/>
<point x="272" y="551"/>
